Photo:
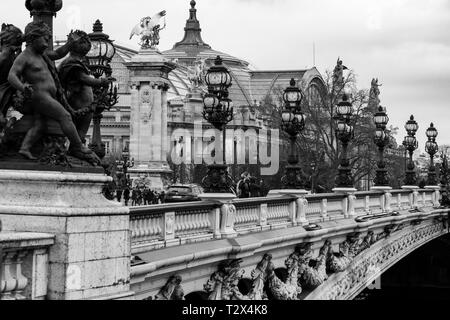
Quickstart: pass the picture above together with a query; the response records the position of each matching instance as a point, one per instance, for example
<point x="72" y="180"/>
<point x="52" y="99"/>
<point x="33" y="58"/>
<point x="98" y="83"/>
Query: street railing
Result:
<point x="160" y="226"/>
<point x="24" y="265"/>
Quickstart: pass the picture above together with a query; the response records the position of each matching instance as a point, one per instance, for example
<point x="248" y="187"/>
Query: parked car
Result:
<point x="183" y="193"/>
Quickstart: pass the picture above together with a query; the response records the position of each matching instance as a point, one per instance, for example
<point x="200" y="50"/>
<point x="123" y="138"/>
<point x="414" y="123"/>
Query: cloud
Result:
<point x="405" y="43"/>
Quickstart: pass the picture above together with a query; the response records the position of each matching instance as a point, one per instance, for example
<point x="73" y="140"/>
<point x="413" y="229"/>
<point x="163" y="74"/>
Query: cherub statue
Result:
<point x="149" y="29"/>
<point x="11" y="39"/>
<point x="35" y="77"/>
<point x="77" y="82"/>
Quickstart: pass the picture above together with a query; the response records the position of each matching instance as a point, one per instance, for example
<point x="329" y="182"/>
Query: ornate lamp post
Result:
<point x="293" y="122"/>
<point x="445" y="188"/>
<point x="344" y="133"/>
<point x="126" y="164"/>
<point x="381" y="140"/>
<point x="432" y="148"/>
<point x="99" y="58"/>
<point x="411" y="144"/>
<point x="218" y="110"/>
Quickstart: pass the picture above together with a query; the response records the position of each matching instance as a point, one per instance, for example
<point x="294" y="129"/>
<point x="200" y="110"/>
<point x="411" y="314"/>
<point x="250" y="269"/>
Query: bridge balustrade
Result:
<point x="160" y="226"/>
<point x="24" y="265"/>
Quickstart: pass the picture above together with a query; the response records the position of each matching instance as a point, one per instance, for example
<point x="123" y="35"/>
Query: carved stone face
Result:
<point x="40" y="44"/>
<point x="82" y="46"/>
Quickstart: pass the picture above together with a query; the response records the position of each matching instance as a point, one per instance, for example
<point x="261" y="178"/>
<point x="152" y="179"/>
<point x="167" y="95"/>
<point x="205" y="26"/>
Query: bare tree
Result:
<point x="319" y="149"/>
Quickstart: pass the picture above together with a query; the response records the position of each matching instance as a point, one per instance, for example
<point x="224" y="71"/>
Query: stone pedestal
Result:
<point x="91" y="255"/>
<point x="227" y="212"/>
<point x="414" y="197"/>
<point x="386" y="198"/>
<point x="436" y="194"/>
<point x="348" y="204"/>
<point x="149" y="143"/>
<point x="297" y="211"/>
<point x="294" y="192"/>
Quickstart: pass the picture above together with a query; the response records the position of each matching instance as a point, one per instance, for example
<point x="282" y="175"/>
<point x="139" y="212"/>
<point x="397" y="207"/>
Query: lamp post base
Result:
<point x="344" y="190"/>
<point x="217" y="180"/>
<point x="410" y="188"/>
<point x="381" y="188"/>
<point x="294" y="192"/>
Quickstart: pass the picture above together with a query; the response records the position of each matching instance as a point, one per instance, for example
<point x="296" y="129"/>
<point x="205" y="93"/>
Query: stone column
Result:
<point x="91" y="255"/>
<point x="156" y="126"/>
<point x="150" y="70"/>
<point x="164" y="136"/>
<point x="134" y="122"/>
<point x="44" y="10"/>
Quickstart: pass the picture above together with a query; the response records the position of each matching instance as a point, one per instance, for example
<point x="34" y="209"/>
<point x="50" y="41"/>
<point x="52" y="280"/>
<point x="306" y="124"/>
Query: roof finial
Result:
<point x="192" y="31"/>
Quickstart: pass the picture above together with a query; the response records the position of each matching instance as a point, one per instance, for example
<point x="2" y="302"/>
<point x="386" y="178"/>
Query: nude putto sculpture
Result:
<point x="35" y="77"/>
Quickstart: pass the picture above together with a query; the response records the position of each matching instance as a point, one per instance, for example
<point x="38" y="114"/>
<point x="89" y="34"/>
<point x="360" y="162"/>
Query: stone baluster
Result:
<point x="12" y="281"/>
<point x="344" y="206"/>
<point x="351" y="206"/>
<point x="382" y="200"/>
<point x="293" y="207"/>
<point x="415" y="199"/>
<point x="399" y="202"/>
<point x="214" y="220"/>
<point x="324" y="208"/>
<point x="263" y="216"/>
<point x="387" y="201"/>
<point x="367" y="205"/>
<point x="437" y="198"/>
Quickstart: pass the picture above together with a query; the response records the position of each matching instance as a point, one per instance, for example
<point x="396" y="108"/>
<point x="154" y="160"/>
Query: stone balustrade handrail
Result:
<point x="166" y="225"/>
<point x="24" y="265"/>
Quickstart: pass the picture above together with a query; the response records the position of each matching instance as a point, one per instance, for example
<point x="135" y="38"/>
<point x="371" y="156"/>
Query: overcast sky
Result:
<point x="404" y="43"/>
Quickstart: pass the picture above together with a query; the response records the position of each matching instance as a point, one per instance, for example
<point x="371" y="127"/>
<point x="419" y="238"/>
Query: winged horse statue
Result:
<point x="148" y="29"/>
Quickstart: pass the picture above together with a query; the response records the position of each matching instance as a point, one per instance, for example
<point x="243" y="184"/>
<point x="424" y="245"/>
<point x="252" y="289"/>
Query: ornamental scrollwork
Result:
<point x="312" y="272"/>
<point x="289" y="290"/>
<point x="259" y="278"/>
<point x="370" y="266"/>
<point x="223" y="284"/>
<point x="339" y="261"/>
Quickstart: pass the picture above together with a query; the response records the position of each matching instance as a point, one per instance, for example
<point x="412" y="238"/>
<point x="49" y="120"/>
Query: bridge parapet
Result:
<point x="24" y="265"/>
<point x="160" y="226"/>
<point x="268" y="245"/>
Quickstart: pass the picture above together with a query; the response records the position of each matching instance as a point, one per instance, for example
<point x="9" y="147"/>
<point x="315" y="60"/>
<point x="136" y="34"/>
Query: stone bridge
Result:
<point x="62" y="239"/>
<point x="283" y="247"/>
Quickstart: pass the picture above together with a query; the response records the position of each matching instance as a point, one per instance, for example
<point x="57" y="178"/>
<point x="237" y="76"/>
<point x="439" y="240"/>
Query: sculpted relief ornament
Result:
<point x="352" y="267"/>
<point x="148" y="29"/>
<point x="223" y="284"/>
<point x="369" y="266"/>
<point x="196" y="75"/>
<point x="172" y="290"/>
